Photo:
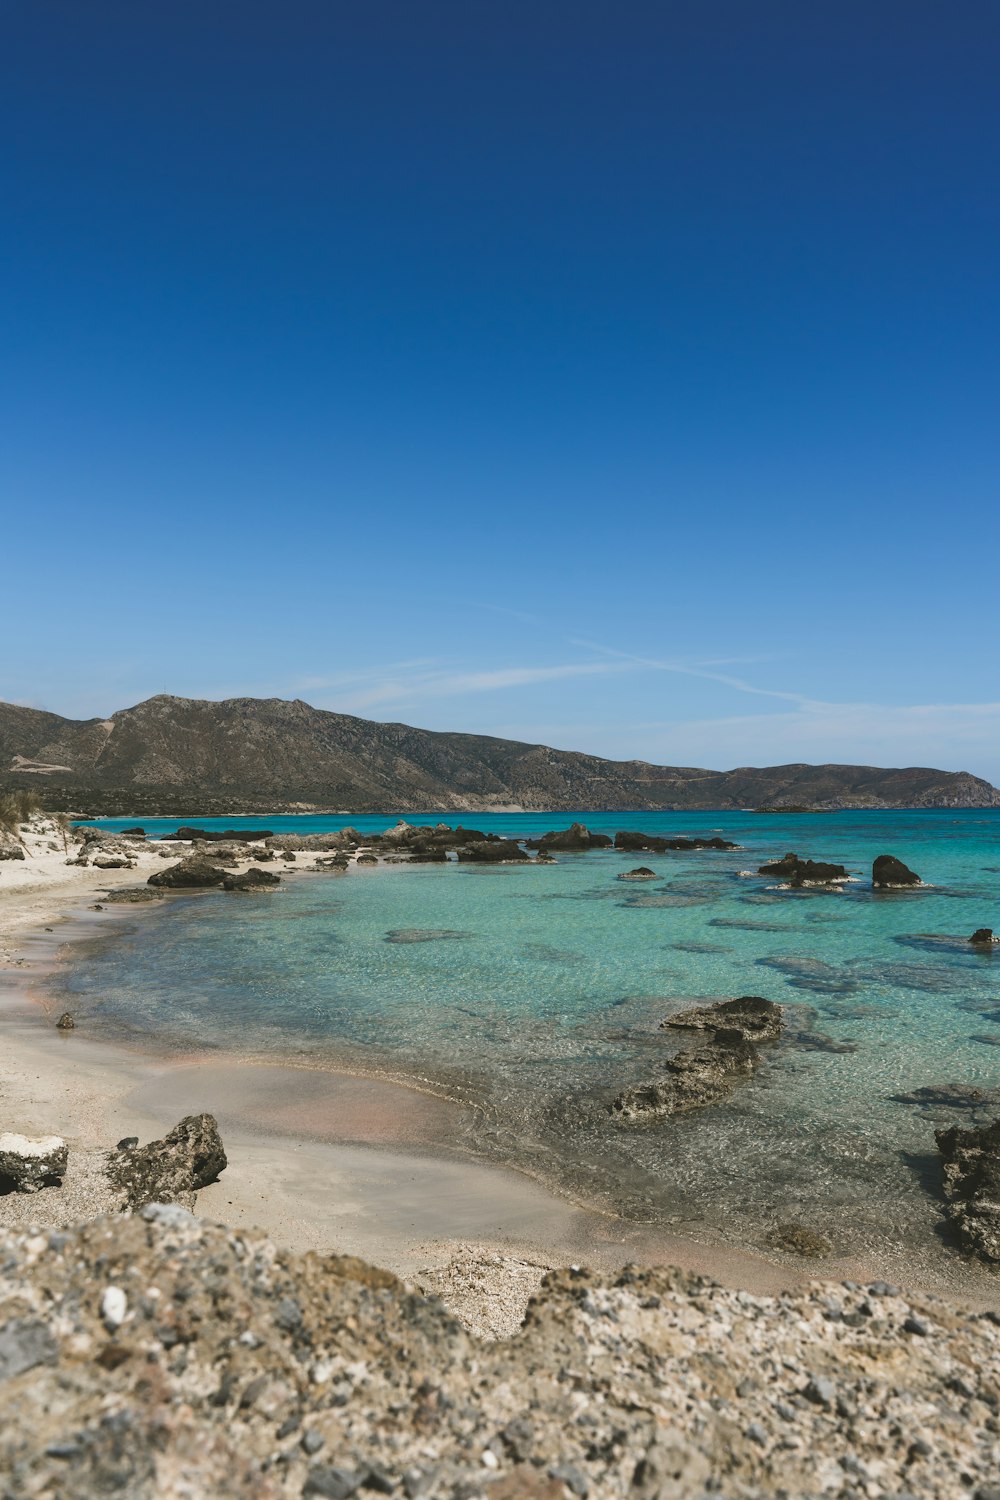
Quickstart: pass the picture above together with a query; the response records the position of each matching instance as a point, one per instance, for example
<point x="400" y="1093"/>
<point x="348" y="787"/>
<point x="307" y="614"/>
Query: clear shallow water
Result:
<point x="537" y="993"/>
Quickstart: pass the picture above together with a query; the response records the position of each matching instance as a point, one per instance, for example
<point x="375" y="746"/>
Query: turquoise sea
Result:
<point x="536" y="994"/>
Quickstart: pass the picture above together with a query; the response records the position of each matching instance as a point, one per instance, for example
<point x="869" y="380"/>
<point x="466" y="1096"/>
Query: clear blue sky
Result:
<point x="623" y="376"/>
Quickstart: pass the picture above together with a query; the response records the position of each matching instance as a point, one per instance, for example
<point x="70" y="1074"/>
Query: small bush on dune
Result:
<point x="16" y="808"/>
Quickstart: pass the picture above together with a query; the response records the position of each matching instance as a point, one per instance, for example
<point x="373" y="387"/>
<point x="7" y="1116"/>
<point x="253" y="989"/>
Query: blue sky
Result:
<point x="622" y="376"/>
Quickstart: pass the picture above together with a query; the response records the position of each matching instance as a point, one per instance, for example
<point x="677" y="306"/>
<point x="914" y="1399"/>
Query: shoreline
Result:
<point x="321" y="1157"/>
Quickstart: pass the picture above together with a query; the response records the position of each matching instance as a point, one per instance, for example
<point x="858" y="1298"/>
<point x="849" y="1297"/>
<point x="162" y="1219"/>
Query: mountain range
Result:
<point x="184" y="755"/>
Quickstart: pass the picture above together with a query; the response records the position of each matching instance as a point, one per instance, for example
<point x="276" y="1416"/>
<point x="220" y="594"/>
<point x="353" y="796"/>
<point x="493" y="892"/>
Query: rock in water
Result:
<point x="643" y="872"/>
<point x="492" y="852"/>
<point x="576" y="837"/>
<point x="889" y="874"/>
<point x="251" y="880"/>
<point x="191" y="874"/>
<point x="970" y="1162"/>
<point x="172" y="1170"/>
<point x="65" y="1022"/>
<point x="984" y="936"/>
<point x="757" y="1019"/>
<point x="799" y="872"/>
<point x="692" y="1080"/>
<point x="32" y="1164"/>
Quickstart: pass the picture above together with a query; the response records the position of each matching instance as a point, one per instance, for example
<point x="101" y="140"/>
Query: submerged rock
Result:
<point x="970" y="1164"/>
<point x="131" y="895"/>
<point x="798" y="1239"/>
<point x="691" y="1080"/>
<point x="171" y="1170"/>
<point x="492" y="852"/>
<point x="193" y="873"/>
<point x="28" y="1164"/>
<point x="251" y="880"/>
<point x="890" y="874"/>
<point x="642" y="873"/>
<point x="799" y="872"/>
<point x="757" y="1019"/>
<point x="950" y="1096"/>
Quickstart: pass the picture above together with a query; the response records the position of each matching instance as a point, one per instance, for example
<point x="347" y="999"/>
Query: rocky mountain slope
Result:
<point x="184" y="755"/>
<point x="158" y="1355"/>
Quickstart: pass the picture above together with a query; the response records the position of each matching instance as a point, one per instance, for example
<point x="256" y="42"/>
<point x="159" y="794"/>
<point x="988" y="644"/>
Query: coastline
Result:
<point x="321" y="1158"/>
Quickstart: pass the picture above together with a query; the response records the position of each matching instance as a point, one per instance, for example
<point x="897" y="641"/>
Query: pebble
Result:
<point x="114" y="1306"/>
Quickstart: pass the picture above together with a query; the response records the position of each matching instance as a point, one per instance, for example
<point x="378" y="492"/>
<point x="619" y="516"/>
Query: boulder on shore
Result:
<point x="799" y="872"/>
<point x="172" y="1170"/>
<point x="32" y="1164"/>
<point x="691" y="1080"/>
<point x="492" y="852"/>
<point x="890" y="874"/>
<point x="251" y="880"/>
<point x="970" y="1164"/>
<point x="757" y="1019"/>
<point x="194" y="873"/>
<point x="11" y="846"/>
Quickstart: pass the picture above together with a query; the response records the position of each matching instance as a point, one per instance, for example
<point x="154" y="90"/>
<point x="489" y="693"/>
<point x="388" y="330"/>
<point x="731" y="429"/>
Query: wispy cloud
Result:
<point x="416" y="686"/>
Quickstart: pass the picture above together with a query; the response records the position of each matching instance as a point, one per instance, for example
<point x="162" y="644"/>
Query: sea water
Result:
<point x="535" y="993"/>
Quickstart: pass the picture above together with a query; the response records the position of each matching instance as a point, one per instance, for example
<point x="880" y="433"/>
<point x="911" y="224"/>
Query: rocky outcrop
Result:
<point x="890" y="874"/>
<point x="633" y="842"/>
<point x="574" y="839"/>
<point x="983" y="937"/>
<point x="970" y="1165"/>
<point x="256" y="1374"/>
<point x="492" y="852"/>
<point x="643" y="872"/>
<point x="800" y="872"/>
<point x="194" y="873"/>
<point x="172" y="1170"/>
<point x="691" y="1080"/>
<point x="251" y="880"/>
<point x="27" y="1165"/>
<point x="756" y="1019"/>
<point x="191" y="835"/>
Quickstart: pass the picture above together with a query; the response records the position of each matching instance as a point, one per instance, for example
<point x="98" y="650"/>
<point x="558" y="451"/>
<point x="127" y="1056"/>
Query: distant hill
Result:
<point x="183" y="755"/>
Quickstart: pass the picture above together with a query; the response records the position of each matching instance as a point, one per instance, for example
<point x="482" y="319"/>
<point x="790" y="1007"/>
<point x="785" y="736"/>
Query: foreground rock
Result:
<point x="800" y="872"/>
<point x="756" y="1019"/>
<point x="890" y="874"/>
<point x="251" y="880"/>
<point x="970" y="1161"/>
<point x="155" y="1356"/>
<point x="172" y="1170"/>
<point x="983" y="936"/>
<point x="691" y="1080"/>
<point x="27" y="1165"/>
<point x="195" y="873"/>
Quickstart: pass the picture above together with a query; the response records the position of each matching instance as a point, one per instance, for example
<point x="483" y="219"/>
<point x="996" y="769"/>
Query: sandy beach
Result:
<point x="318" y="1158"/>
